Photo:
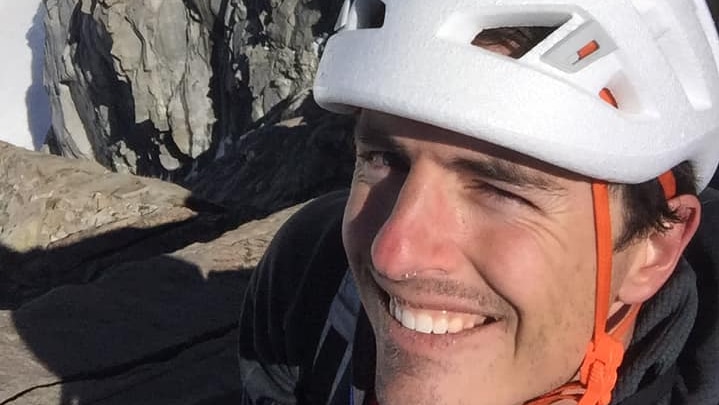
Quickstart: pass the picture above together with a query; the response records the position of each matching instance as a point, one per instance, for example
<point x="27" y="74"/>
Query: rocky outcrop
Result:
<point x="148" y="86"/>
<point x="117" y="289"/>
<point x="128" y="82"/>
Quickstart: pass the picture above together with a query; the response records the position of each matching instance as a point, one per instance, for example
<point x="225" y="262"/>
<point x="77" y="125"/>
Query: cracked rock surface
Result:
<point x="128" y="82"/>
<point x="150" y="86"/>
<point x="117" y="289"/>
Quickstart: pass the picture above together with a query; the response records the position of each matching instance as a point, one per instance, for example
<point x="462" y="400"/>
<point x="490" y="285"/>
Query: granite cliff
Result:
<point x="176" y="89"/>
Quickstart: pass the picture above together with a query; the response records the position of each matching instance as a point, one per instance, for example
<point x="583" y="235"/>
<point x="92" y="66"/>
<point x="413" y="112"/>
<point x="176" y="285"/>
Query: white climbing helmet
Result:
<point x="659" y="58"/>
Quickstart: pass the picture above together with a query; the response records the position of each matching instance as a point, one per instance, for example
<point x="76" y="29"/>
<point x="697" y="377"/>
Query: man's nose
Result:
<point x="417" y="239"/>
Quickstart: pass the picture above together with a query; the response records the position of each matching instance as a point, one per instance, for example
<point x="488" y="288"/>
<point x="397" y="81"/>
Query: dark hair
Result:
<point x="645" y="206"/>
<point x="517" y="40"/>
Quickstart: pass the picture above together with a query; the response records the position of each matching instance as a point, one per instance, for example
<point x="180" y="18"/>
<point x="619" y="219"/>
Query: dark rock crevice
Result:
<point x="164" y="355"/>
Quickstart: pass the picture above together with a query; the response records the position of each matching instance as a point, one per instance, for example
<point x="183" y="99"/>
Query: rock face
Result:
<point x="148" y="86"/>
<point x="116" y="289"/>
<point x="121" y="288"/>
<point x="124" y="89"/>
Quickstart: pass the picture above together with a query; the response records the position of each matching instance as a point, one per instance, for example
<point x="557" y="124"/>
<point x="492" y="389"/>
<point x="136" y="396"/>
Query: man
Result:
<point x="524" y="192"/>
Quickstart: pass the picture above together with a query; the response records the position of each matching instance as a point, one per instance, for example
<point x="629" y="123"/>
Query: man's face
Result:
<point x="475" y="265"/>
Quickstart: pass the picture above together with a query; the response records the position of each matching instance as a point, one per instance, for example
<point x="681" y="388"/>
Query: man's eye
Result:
<point x="377" y="159"/>
<point x="500" y="193"/>
<point x="374" y="165"/>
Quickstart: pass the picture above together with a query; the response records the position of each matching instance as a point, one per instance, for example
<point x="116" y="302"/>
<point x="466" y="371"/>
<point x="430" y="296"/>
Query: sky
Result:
<point x="24" y="105"/>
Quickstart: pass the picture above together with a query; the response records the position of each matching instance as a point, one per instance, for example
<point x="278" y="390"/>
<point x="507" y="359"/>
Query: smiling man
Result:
<point x="518" y="225"/>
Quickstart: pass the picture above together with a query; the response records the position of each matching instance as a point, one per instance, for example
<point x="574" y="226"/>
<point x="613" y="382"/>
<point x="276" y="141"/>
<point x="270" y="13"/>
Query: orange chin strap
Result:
<point x="598" y="373"/>
<point x="605" y="352"/>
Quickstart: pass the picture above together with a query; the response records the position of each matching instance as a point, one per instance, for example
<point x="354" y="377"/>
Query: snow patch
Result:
<point x="24" y="104"/>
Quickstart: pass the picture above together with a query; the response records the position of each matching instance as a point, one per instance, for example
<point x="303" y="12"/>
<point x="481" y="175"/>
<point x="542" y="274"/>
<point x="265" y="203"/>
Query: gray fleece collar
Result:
<point x="662" y="329"/>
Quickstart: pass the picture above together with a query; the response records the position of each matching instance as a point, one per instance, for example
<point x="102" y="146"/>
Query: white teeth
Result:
<point x="432" y="321"/>
<point x="408" y="320"/>
<point x="455" y="325"/>
<point x="423" y="323"/>
<point x="441" y="326"/>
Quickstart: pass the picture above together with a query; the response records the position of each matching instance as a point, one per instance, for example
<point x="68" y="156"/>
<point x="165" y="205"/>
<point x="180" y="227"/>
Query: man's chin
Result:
<point x="417" y="369"/>
<point x="408" y="385"/>
<point x="433" y="388"/>
<point x="426" y="374"/>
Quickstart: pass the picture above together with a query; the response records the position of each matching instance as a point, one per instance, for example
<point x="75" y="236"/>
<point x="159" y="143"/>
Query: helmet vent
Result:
<point x="514" y="42"/>
<point x="581" y="48"/>
<point x="370" y="14"/>
<point x="513" y="32"/>
<point x="361" y="14"/>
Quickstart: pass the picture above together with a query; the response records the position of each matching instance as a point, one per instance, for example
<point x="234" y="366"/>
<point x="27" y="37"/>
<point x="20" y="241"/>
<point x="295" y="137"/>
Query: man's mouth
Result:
<point x="433" y="321"/>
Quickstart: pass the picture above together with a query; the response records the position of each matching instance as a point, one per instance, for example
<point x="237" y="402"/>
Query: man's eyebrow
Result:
<point x="505" y="172"/>
<point x="377" y="137"/>
<point x="489" y="168"/>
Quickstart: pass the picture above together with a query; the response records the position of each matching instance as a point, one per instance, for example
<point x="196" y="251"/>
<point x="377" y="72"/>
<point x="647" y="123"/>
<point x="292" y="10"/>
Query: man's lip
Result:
<point x="434" y="302"/>
<point x="438" y="303"/>
<point x="433" y="321"/>
<point x="430" y="301"/>
<point x="451" y="340"/>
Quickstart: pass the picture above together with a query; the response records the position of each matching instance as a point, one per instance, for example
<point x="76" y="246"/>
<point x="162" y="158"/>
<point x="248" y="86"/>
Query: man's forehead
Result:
<point x="382" y="128"/>
<point x="473" y="155"/>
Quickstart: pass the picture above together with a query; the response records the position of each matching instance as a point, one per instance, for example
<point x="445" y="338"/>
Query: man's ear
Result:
<point x="662" y="251"/>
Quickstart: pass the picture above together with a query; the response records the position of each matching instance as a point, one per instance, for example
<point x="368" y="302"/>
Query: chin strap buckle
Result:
<point x="599" y="369"/>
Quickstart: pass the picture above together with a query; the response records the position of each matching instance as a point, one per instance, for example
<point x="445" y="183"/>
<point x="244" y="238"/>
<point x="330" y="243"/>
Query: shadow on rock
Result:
<point x="148" y="322"/>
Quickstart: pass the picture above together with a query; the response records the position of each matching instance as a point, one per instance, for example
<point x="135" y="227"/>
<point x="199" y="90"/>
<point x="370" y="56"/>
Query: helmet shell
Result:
<point x="659" y="59"/>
